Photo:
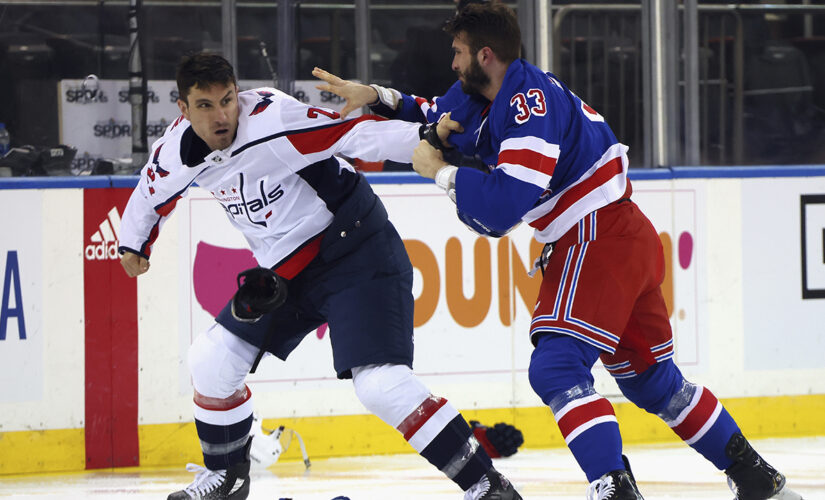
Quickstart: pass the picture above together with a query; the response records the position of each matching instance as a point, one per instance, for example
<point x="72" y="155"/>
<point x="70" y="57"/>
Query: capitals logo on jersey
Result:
<point x="263" y="103"/>
<point x="238" y="203"/>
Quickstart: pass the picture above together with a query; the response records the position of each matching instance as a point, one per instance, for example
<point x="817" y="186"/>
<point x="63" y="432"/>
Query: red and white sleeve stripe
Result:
<point x="370" y="138"/>
<point x="529" y="159"/>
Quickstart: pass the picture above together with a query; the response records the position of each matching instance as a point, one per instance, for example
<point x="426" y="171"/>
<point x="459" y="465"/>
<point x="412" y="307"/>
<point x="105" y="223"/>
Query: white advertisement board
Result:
<point x="673" y="208"/>
<point x="21" y="263"/>
<point x="783" y="260"/>
<point x="474" y="299"/>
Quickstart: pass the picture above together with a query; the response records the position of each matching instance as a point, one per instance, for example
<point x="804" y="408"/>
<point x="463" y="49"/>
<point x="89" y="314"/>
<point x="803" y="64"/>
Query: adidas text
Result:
<point x="102" y="251"/>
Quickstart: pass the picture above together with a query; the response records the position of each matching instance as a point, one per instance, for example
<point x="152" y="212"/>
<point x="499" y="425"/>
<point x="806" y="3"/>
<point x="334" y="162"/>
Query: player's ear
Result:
<point x="184" y="108"/>
<point x="484" y="56"/>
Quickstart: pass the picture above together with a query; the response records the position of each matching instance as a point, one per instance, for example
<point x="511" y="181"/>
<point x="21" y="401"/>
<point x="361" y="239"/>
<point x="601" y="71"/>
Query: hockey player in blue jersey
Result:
<point x="554" y="163"/>
<point x="327" y="253"/>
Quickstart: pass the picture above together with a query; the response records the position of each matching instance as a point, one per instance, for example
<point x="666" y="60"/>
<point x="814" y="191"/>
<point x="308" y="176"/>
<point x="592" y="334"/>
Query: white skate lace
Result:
<point x="477" y="490"/>
<point x="205" y="481"/>
<point x="601" y="489"/>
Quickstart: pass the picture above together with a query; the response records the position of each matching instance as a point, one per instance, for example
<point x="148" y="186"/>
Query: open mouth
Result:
<point x="222" y="131"/>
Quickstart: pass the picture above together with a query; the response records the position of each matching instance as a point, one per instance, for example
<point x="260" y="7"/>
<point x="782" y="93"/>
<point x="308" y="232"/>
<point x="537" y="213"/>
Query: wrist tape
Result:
<point x="386" y="96"/>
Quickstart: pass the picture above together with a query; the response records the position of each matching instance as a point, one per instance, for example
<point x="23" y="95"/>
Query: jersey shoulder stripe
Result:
<point x="314" y="139"/>
<point x="318" y="139"/>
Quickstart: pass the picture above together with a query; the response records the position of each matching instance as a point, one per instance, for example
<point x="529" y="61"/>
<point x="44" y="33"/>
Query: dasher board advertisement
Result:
<point x="21" y="334"/>
<point x="469" y="290"/>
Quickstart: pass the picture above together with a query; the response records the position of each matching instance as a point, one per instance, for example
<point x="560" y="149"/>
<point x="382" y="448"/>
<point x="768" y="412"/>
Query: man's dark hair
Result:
<point x="202" y="70"/>
<point x="464" y="3"/>
<point x="491" y="25"/>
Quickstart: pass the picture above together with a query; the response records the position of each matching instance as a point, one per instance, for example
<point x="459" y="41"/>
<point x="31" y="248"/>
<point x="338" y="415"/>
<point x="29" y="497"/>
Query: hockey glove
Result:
<point x="429" y="133"/>
<point x="500" y="440"/>
<point x="451" y="155"/>
<point x="260" y="290"/>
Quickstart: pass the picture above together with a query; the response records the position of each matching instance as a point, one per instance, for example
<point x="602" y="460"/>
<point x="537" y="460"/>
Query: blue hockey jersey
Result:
<point x="555" y="158"/>
<point x="465" y="109"/>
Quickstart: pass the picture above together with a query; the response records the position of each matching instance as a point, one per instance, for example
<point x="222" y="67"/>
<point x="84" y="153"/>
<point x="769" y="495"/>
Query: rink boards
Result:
<point x="93" y="370"/>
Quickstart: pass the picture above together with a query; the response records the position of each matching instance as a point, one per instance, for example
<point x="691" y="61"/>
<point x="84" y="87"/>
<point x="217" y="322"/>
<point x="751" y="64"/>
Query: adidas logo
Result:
<point x="104" y="240"/>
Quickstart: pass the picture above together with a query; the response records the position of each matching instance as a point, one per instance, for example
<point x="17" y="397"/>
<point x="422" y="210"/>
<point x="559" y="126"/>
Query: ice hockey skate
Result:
<point x="750" y="477"/>
<point x="615" y="485"/>
<point x="492" y="486"/>
<point x="227" y="484"/>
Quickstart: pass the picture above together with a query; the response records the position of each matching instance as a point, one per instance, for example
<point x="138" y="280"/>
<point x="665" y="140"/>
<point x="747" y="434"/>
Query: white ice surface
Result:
<point x="663" y="472"/>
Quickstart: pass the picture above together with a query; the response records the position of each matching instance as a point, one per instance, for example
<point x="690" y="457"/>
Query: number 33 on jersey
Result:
<point x="535" y="104"/>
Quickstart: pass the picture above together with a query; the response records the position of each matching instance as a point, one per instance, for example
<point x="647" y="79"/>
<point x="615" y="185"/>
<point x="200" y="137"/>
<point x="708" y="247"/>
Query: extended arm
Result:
<point x="161" y="185"/>
<point x="319" y="133"/>
<point x="357" y="95"/>
<point x="384" y="101"/>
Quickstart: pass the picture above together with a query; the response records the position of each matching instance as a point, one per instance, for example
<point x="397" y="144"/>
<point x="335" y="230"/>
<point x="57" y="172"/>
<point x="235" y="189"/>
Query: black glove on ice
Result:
<point x="500" y="440"/>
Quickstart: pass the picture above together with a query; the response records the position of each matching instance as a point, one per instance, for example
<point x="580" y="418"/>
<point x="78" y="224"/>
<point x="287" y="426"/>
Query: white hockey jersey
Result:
<point x="278" y="181"/>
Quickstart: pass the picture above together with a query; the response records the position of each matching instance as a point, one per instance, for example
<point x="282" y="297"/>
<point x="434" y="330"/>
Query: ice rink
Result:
<point x="662" y="471"/>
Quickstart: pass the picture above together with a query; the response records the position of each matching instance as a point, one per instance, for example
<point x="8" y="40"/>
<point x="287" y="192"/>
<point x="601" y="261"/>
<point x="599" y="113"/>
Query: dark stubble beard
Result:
<point x="475" y="80"/>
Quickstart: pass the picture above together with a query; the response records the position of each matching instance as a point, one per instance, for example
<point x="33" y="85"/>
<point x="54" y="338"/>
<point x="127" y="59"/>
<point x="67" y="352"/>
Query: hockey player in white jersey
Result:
<point x="309" y="217"/>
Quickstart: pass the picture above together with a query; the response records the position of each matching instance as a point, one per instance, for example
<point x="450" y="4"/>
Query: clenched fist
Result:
<point x="134" y="264"/>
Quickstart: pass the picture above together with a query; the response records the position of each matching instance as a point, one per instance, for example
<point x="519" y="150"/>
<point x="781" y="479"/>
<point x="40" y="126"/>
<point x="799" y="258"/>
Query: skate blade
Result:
<point x="787" y="494"/>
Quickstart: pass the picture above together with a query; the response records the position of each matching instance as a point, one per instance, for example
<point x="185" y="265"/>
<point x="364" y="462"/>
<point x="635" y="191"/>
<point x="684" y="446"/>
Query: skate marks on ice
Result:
<point x="663" y="472"/>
